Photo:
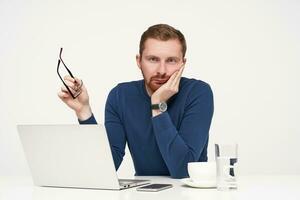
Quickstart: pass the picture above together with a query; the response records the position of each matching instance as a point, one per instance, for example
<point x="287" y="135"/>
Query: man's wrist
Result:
<point x="155" y="100"/>
<point x="84" y="113"/>
<point x="156" y="112"/>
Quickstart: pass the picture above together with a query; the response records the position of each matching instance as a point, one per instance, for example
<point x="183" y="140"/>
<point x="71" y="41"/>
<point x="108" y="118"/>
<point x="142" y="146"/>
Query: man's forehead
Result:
<point x="169" y="48"/>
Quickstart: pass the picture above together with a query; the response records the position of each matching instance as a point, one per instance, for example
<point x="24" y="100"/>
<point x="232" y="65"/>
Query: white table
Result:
<point x="250" y="187"/>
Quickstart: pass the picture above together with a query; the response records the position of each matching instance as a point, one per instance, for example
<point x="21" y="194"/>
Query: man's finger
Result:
<point x="64" y="89"/>
<point x="178" y="77"/>
<point x="171" y="79"/>
<point x="63" y="95"/>
<point x="74" y="85"/>
<point x="180" y="72"/>
<point x="70" y="83"/>
<point x="77" y="80"/>
<point x="78" y="84"/>
<point x="69" y="78"/>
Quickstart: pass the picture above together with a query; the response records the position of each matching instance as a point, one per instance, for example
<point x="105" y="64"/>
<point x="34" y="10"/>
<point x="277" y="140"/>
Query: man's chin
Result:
<point x="154" y="86"/>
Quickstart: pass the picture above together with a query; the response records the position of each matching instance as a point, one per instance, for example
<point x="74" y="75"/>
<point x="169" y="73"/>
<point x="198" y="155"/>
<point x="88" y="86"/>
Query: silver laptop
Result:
<point x="76" y="156"/>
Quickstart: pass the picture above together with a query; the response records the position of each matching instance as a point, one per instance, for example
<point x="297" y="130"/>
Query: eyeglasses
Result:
<point x="75" y="92"/>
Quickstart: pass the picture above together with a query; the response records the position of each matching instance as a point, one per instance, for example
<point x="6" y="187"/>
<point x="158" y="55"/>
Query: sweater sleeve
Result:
<point x="90" y="120"/>
<point x="115" y="130"/>
<point x="178" y="147"/>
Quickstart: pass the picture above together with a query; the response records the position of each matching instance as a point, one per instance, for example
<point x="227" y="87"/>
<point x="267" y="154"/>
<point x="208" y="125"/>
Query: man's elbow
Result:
<point x="180" y="173"/>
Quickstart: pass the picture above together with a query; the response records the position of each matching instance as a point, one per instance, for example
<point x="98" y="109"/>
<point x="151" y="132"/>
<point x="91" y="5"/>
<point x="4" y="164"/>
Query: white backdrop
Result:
<point x="247" y="50"/>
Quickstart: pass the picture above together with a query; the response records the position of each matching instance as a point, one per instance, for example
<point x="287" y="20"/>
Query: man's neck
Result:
<point x="149" y="91"/>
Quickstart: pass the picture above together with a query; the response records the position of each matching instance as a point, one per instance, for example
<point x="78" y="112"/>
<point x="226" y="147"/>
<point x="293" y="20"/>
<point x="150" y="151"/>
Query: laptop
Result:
<point x="76" y="156"/>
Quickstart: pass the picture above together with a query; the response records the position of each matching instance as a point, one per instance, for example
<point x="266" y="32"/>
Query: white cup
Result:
<point x="202" y="171"/>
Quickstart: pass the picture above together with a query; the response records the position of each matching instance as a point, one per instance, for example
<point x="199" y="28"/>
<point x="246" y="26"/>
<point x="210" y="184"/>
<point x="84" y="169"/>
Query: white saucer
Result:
<point x="200" y="184"/>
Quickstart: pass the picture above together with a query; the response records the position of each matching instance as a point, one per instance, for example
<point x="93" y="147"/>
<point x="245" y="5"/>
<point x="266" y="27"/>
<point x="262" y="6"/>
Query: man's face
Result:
<point x="159" y="60"/>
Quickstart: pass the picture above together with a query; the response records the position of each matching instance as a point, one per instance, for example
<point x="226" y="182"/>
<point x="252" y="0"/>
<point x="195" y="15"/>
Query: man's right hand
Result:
<point x="81" y="104"/>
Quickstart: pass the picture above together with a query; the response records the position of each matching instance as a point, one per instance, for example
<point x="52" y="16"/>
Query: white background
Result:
<point x="247" y="50"/>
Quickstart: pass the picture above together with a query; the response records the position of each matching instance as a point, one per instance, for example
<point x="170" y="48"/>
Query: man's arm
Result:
<point x="115" y="130"/>
<point x="178" y="147"/>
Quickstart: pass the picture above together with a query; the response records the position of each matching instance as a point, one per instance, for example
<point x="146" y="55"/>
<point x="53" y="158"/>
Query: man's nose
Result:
<point x="162" y="68"/>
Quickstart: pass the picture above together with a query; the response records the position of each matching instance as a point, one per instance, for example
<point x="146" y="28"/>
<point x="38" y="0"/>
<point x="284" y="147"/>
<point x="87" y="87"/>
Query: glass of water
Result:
<point x="226" y="159"/>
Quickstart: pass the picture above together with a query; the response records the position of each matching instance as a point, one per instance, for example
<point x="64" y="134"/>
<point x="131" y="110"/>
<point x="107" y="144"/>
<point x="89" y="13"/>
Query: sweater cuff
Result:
<point x="162" y="122"/>
<point x="90" y="120"/>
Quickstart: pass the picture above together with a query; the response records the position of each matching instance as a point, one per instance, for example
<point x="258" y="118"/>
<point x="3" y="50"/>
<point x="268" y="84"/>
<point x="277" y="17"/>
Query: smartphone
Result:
<point x="154" y="187"/>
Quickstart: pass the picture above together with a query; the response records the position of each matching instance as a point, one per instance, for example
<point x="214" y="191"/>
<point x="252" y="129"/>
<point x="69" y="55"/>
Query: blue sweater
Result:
<point x="164" y="144"/>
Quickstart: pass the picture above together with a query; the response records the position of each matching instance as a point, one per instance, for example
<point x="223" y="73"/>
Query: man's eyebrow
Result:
<point x="148" y="56"/>
<point x="174" y="57"/>
<point x="153" y="56"/>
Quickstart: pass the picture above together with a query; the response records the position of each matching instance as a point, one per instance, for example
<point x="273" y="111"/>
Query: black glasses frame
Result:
<point x="60" y="60"/>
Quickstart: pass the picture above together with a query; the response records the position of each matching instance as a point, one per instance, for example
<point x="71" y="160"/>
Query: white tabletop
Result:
<point x="250" y="187"/>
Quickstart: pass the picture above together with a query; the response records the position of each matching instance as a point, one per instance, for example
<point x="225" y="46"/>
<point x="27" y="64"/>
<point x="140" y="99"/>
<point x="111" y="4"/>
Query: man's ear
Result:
<point x="138" y="60"/>
<point x="184" y="61"/>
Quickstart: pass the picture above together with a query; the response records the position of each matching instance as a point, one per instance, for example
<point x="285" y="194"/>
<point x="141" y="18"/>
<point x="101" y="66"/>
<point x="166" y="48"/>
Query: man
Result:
<point x="165" y="118"/>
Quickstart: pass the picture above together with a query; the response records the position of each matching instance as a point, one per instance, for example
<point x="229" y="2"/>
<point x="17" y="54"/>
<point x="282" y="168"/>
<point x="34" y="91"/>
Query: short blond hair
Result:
<point x="162" y="32"/>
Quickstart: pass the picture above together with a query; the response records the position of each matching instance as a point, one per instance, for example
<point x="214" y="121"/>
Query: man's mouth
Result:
<point x="160" y="81"/>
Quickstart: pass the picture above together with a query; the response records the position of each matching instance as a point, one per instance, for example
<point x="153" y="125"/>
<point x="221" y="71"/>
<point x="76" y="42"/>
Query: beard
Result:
<point x="156" y="81"/>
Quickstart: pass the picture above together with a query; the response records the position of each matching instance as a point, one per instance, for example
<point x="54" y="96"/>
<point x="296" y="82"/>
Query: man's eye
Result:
<point x="171" y="60"/>
<point x="153" y="59"/>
